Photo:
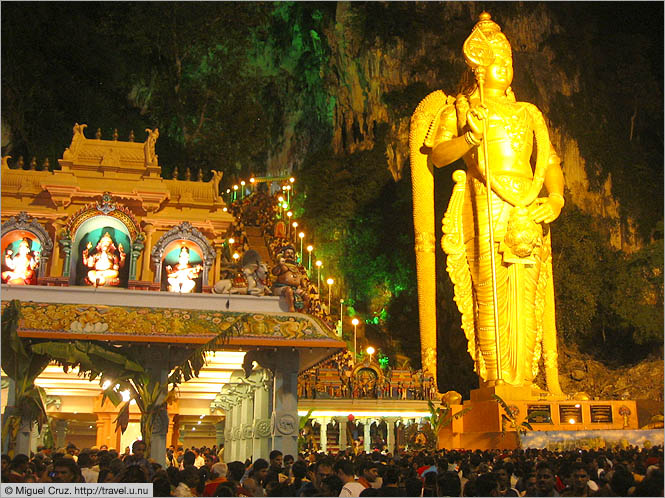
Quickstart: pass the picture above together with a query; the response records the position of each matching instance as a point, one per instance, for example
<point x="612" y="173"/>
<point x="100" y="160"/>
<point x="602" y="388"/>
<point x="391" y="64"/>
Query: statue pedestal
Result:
<point x="486" y="425"/>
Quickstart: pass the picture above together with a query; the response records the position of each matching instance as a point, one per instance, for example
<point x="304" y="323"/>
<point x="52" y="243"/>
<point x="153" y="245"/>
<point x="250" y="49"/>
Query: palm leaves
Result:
<point x="22" y="368"/>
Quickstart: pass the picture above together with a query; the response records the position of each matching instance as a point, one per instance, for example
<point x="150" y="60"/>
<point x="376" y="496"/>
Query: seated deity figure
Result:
<point x="498" y="241"/>
<point x="22" y="265"/>
<point x="105" y="262"/>
<point x="289" y="280"/>
<point x="182" y="277"/>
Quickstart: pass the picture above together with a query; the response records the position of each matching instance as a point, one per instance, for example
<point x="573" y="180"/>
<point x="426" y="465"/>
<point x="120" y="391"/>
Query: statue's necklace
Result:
<point x="514" y="118"/>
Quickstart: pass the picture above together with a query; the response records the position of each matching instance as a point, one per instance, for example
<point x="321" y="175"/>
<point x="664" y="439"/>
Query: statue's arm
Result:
<point x="550" y="210"/>
<point x="451" y="147"/>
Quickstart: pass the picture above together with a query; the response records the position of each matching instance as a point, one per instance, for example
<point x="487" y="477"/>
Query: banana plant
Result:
<point x="22" y="368"/>
<point x="302" y="422"/>
<point x="124" y="369"/>
<point x="509" y="419"/>
<point x="443" y="415"/>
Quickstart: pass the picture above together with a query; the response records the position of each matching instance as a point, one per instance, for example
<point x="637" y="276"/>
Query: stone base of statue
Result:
<point x="491" y="423"/>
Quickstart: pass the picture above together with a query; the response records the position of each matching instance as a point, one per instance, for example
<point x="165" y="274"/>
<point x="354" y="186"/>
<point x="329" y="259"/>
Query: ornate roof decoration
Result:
<point x="105" y="207"/>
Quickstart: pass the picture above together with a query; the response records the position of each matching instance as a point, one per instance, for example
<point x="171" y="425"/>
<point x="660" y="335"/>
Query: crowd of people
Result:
<point x="628" y="471"/>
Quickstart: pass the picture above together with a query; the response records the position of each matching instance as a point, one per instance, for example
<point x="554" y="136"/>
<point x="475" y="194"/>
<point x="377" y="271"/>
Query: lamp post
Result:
<point x="294" y="225"/>
<point x="236" y="257"/>
<point x="251" y="181"/>
<point x="370" y="351"/>
<point x="330" y="283"/>
<point x="341" y="317"/>
<point x="288" y="215"/>
<point x="318" y="264"/>
<point x="291" y="187"/>
<point x="288" y="194"/>
<point x="231" y="242"/>
<point x="355" y="323"/>
<point x="310" y="248"/>
<point x="235" y="192"/>
<point x="281" y="206"/>
<point x="301" y="235"/>
<point x="242" y="184"/>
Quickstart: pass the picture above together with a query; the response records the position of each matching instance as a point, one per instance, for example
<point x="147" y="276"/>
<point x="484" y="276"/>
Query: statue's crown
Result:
<point x="485" y="43"/>
<point x="487" y="26"/>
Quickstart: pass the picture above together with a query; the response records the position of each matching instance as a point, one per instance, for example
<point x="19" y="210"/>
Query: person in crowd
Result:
<point x="255" y="480"/>
<point x="351" y="487"/>
<point x="218" y="473"/>
<point x="85" y="464"/>
<point x="66" y="470"/>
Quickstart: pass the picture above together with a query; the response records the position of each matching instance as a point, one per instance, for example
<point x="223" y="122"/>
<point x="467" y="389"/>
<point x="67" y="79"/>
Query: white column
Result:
<point x="366" y="436"/>
<point x="390" y="437"/>
<point x="237" y="425"/>
<point x="228" y="435"/>
<point x="285" y="402"/>
<point x="247" y="432"/>
<point x="261" y="442"/>
<point x="324" y="433"/>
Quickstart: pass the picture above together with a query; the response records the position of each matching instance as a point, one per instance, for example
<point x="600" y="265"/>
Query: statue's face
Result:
<point x="183" y="258"/>
<point x="500" y="73"/>
<point x="289" y="255"/>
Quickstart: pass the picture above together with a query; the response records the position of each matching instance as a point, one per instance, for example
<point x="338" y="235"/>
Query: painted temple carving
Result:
<point x="26" y="247"/>
<point x="97" y="219"/>
<point x="182" y="259"/>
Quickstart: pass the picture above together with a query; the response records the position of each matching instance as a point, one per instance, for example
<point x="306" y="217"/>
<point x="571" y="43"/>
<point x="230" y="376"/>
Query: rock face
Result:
<point x="578" y="372"/>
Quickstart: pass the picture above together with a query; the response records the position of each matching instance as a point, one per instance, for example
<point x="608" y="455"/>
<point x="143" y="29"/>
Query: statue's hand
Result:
<point x="88" y="245"/>
<point x="474" y="119"/>
<point x="547" y="210"/>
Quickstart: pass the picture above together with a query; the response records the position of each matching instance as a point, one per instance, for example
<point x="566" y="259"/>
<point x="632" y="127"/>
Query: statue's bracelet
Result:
<point x="554" y="195"/>
<point x="471" y="139"/>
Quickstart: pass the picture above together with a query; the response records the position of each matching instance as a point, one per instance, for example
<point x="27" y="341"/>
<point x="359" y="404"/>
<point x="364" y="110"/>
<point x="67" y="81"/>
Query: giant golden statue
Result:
<point x="501" y="269"/>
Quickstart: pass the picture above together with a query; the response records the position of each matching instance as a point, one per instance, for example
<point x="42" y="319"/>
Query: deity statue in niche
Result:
<point x="182" y="277"/>
<point x="21" y="265"/>
<point x="105" y="262"/>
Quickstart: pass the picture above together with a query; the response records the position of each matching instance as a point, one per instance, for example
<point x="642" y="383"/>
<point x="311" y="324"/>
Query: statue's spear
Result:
<point x="479" y="54"/>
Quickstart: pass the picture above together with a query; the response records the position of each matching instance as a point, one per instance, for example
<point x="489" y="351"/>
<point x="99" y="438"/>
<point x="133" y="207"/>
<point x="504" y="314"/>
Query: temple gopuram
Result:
<point x="104" y="250"/>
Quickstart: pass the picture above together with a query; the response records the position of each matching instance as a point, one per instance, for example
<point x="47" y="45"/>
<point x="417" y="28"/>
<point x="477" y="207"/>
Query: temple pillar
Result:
<point x="323" y="438"/>
<point x="390" y="434"/>
<point x="149" y="229"/>
<point x="218" y="245"/>
<point x="57" y="225"/>
<point x="284" y="420"/>
<point x="219" y="434"/>
<point x="247" y="427"/>
<point x="23" y="437"/>
<point x="367" y="423"/>
<point x="159" y="372"/>
<point x="228" y="435"/>
<point x="105" y="430"/>
<point x="60" y="436"/>
<point x="170" y="439"/>
<point x="342" y="442"/>
<point x="236" y="432"/>
<point x="137" y="247"/>
<point x="65" y="242"/>
<point x="261" y="442"/>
